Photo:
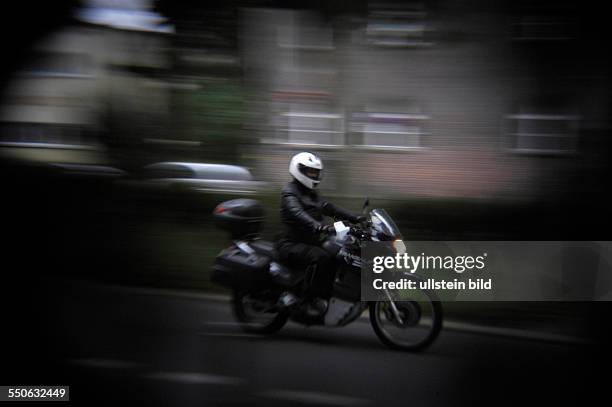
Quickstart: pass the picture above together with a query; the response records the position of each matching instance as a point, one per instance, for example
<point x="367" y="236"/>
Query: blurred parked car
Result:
<point x="199" y="178"/>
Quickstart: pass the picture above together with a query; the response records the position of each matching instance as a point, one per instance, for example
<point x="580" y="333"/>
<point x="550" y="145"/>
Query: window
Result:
<point x="542" y="133"/>
<point x="389" y="128"/>
<point x="397" y="25"/>
<point x="168" y="171"/>
<point x="298" y="119"/>
<point x="304" y="126"/>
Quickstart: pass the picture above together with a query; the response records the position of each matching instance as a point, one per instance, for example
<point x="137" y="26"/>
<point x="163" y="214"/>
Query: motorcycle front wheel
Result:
<point x="256" y="315"/>
<point x="418" y="325"/>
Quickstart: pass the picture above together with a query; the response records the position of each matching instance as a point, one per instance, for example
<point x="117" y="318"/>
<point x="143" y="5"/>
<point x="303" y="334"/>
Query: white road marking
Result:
<point x="194" y="378"/>
<point x="314" y="397"/>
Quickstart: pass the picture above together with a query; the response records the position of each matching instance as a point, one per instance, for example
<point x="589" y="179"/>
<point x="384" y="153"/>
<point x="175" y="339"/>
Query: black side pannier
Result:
<point x="242" y="218"/>
<point x="237" y="269"/>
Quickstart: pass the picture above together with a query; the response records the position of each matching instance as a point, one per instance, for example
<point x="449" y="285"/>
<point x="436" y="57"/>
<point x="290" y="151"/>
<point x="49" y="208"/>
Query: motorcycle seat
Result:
<point x="284" y="275"/>
<point x="264" y="247"/>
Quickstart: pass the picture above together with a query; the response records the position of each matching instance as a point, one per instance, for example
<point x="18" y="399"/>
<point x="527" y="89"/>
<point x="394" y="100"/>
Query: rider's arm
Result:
<point x="335" y="211"/>
<point x="293" y="206"/>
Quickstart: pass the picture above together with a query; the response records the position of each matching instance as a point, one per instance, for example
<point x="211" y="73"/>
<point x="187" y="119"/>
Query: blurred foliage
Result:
<point x="216" y="112"/>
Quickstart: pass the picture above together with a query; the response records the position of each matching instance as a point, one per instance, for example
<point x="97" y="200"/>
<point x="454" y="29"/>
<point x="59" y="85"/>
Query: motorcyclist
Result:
<point x="302" y="216"/>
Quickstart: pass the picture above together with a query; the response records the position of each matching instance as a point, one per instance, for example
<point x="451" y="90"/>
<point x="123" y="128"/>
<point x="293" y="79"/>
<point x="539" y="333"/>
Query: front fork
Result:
<point x="394" y="309"/>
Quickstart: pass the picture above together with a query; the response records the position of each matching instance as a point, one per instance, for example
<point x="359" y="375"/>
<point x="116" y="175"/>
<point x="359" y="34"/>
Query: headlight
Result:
<point x="399" y="246"/>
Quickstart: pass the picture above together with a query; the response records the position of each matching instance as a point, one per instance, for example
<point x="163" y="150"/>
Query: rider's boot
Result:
<point x="316" y="307"/>
<point x="287" y="299"/>
<point x="320" y="305"/>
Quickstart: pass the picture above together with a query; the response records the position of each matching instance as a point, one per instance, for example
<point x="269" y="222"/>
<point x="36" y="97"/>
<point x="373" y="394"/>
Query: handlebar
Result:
<point x="356" y="230"/>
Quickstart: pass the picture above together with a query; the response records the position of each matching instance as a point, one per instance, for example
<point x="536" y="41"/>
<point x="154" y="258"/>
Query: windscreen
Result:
<point x="384" y="226"/>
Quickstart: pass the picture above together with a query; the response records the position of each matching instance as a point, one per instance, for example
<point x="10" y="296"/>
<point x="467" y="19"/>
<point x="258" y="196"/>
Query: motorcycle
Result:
<point x="260" y="283"/>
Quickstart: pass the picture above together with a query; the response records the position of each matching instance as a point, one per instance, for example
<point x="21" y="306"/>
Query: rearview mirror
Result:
<point x="366" y="204"/>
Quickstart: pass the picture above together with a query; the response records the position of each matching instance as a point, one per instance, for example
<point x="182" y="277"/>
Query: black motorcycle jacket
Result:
<point x="302" y="212"/>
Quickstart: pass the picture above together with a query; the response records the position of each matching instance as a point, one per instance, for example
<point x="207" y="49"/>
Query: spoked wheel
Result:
<point x="256" y="315"/>
<point x="410" y="324"/>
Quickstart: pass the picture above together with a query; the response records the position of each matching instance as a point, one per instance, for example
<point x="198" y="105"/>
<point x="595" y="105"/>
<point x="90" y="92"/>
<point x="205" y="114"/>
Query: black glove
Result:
<point x="324" y="229"/>
<point x="359" y="219"/>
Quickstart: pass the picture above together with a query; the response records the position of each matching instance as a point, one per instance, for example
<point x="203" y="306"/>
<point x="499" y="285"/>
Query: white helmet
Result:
<point x="306" y="168"/>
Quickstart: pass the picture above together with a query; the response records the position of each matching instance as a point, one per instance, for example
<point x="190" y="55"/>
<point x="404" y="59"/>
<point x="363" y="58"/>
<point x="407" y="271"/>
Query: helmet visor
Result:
<point x="312" y="173"/>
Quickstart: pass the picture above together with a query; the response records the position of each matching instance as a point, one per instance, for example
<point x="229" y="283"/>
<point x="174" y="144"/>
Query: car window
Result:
<point x="169" y="172"/>
<point x="224" y="173"/>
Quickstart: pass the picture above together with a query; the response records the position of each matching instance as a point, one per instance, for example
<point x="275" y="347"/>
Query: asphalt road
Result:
<point x="114" y="344"/>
